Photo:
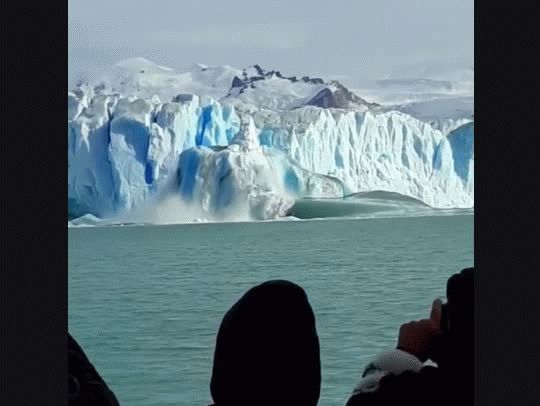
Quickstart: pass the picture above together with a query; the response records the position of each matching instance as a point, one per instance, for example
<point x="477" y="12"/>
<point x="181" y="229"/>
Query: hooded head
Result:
<point x="460" y="294"/>
<point x="267" y="350"/>
<point x="455" y="348"/>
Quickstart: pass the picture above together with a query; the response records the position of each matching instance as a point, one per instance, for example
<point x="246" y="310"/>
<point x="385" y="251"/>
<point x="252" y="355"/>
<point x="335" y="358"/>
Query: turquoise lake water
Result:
<point x="145" y="303"/>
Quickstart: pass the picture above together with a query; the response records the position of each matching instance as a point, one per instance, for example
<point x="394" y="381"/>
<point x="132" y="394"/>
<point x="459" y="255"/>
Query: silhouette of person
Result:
<point x="85" y="385"/>
<point x="267" y="350"/>
<point x="402" y="376"/>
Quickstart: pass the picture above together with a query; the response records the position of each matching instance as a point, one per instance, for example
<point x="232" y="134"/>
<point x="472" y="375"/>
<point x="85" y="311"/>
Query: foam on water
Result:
<point x="173" y="210"/>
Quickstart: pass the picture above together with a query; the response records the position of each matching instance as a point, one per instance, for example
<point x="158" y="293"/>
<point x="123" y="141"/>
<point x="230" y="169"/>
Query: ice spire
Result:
<point x="247" y="137"/>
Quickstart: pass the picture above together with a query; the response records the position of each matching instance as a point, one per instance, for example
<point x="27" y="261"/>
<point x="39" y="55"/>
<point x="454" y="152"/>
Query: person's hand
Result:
<point x="418" y="337"/>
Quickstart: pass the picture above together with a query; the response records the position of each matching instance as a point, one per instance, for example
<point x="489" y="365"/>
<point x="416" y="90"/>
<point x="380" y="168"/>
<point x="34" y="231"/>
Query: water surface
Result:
<point x="145" y="303"/>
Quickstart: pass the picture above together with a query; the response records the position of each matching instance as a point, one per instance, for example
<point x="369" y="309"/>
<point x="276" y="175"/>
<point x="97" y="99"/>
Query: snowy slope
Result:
<point x="444" y="113"/>
<point x="252" y="86"/>
<point x="440" y="95"/>
<point x="143" y="78"/>
<point x="133" y="143"/>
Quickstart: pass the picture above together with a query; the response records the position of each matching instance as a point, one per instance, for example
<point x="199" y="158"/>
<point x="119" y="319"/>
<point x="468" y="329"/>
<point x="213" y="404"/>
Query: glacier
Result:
<point x="219" y="155"/>
<point x="121" y="150"/>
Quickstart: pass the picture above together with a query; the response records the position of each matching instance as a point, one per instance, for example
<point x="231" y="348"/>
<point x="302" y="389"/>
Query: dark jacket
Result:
<point x="399" y="378"/>
<point x="85" y="385"/>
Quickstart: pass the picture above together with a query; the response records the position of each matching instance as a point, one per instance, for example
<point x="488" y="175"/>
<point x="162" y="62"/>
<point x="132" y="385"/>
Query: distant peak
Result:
<point x="197" y="66"/>
<point x="330" y="94"/>
<point x="254" y="70"/>
<point x="139" y="64"/>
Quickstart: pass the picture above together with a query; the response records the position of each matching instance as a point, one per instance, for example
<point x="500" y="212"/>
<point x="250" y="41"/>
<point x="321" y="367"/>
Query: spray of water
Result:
<point x="172" y="209"/>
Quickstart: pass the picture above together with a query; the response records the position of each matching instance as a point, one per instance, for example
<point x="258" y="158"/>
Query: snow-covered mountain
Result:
<point x="442" y="113"/>
<point x="251" y="141"/>
<point x="271" y="90"/>
<point x="441" y="95"/>
<point x="144" y="79"/>
<point x="251" y="87"/>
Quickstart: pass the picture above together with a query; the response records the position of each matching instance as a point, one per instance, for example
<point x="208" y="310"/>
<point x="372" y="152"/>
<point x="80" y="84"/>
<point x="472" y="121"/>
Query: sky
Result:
<point x="350" y="40"/>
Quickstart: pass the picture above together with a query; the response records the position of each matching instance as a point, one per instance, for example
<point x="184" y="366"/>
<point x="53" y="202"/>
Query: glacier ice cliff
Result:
<point x="121" y="150"/>
<point x="127" y="151"/>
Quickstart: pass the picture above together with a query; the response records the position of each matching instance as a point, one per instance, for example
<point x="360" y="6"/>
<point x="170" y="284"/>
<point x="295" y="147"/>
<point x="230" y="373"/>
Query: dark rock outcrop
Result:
<point x="334" y="95"/>
<point x="340" y="97"/>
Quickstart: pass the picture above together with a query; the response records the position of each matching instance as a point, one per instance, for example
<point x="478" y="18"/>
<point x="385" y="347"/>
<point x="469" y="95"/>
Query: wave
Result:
<point x="362" y="205"/>
<point x="386" y="196"/>
<point x="371" y="204"/>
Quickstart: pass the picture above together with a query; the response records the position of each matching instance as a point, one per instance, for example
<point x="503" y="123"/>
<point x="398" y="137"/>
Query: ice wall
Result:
<point x="124" y="151"/>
